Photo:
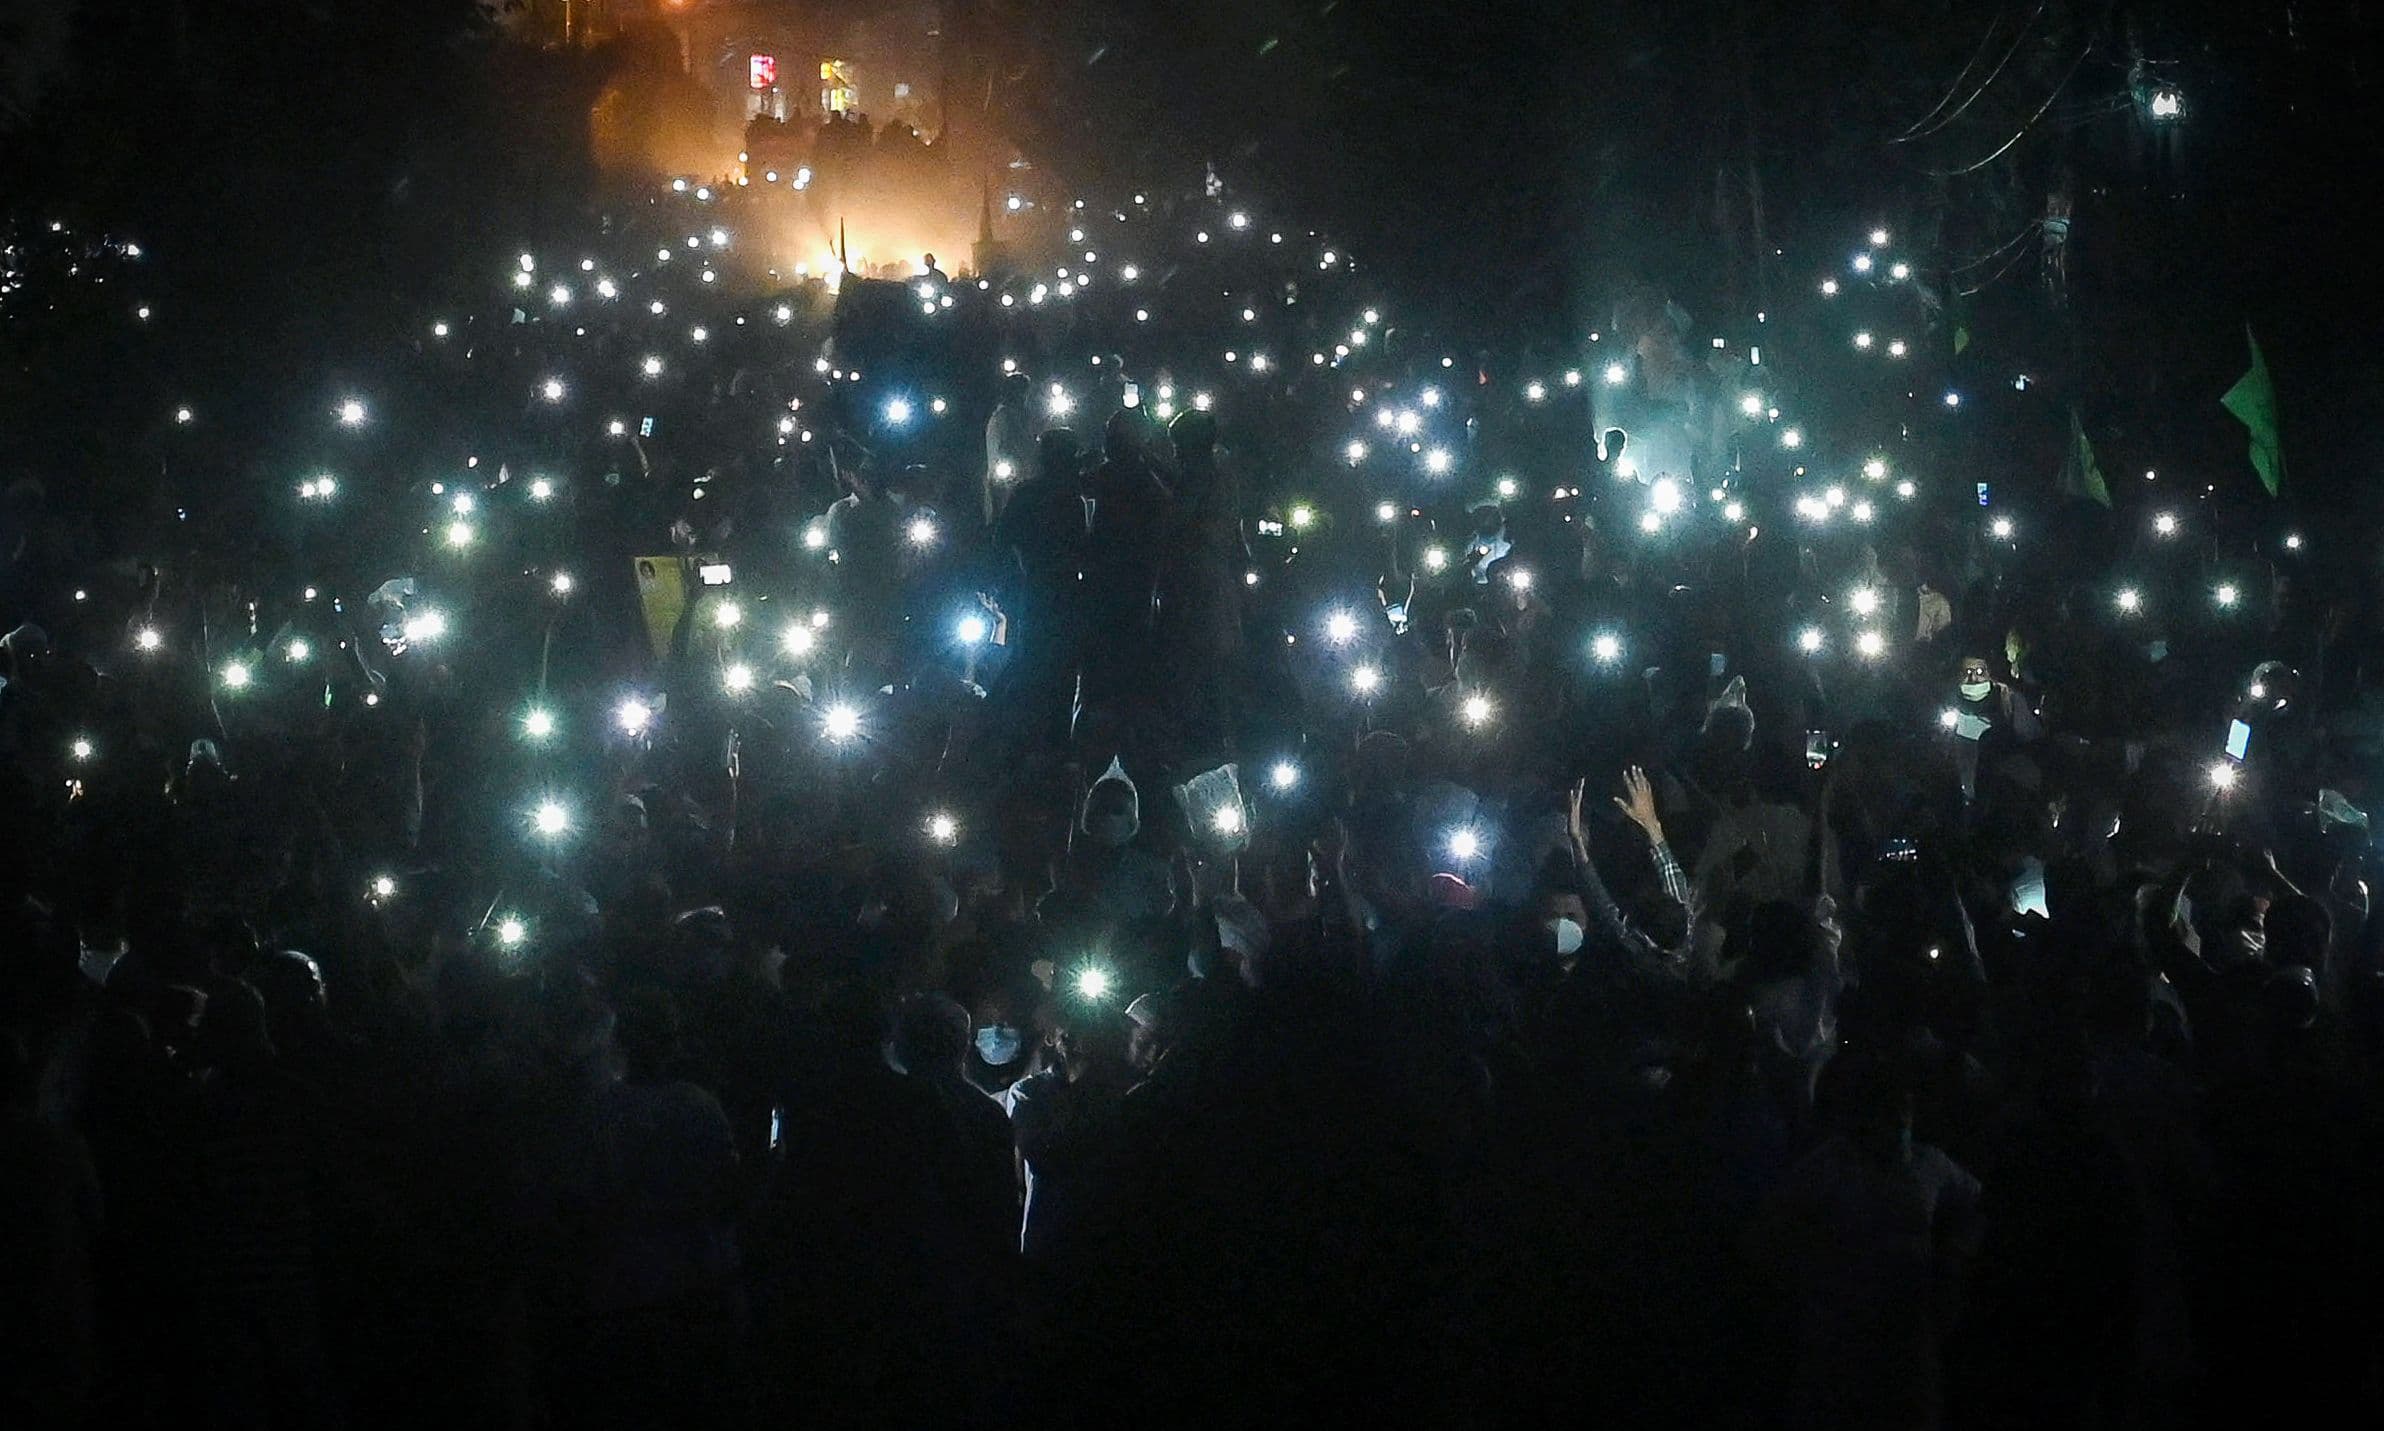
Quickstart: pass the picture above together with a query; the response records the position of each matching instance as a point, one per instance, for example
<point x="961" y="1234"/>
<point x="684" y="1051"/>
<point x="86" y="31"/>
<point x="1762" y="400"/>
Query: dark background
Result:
<point x="312" y="169"/>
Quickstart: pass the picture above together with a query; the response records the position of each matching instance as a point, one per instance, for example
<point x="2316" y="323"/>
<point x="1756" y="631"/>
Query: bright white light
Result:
<point x="1226" y="820"/>
<point x="1829" y="288"/>
<point x="633" y="715"/>
<point x="1438" y="461"/>
<point x="1535" y="391"/>
<point x="1862" y="263"/>
<point x="798" y="640"/>
<point x="727" y="615"/>
<point x="2293" y="543"/>
<point x="1863" y="512"/>
<point x="463" y="503"/>
<point x="1862" y="340"/>
<point x="351" y="413"/>
<point x="1572" y="377"/>
<point x="972" y="630"/>
<point x="2001" y="528"/>
<point x="561" y="583"/>
<point x="1093" y="983"/>
<point x="423" y="626"/>
<point x="1953" y="399"/>
<point x="541" y="489"/>
<point x="1436" y="558"/>
<point x="1617" y="375"/>
<point x="1465" y="844"/>
<point x="841" y="723"/>
<point x="236" y="676"/>
<point x="1897" y="349"/>
<point x="1520" y="579"/>
<point x="1059" y="403"/>
<point x="1605" y="648"/>
<point x="1355" y="452"/>
<point x="1476" y="709"/>
<point x="2130" y="600"/>
<point x="652" y="366"/>
<point x="1792" y="438"/>
<point x="2227" y="595"/>
<point x="1665" y="496"/>
<point x="1734" y="511"/>
<point x="1409" y="423"/>
<point x="1871" y="645"/>
<point x="383" y="887"/>
<point x="538" y="723"/>
<point x="1899" y="272"/>
<point x="737" y="679"/>
<point x="80" y="749"/>
<point x="1365" y="680"/>
<point x="298" y="649"/>
<point x="511" y="932"/>
<point x="2167" y="104"/>
<point x="459" y="534"/>
<point x="1751" y="404"/>
<point x="551" y="389"/>
<point x="1386" y="512"/>
<point x="1907" y="489"/>
<point x="182" y="415"/>
<point x="1864" y="601"/>
<point x="1301" y="516"/>
<point x="2165" y="524"/>
<point x="898" y="411"/>
<point x="2222" y="775"/>
<point x="815" y="534"/>
<point x="920" y="532"/>
<point x="1810" y="640"/>
<point x="147" y="638"/>
<point x="1284" y="776"/>
<point x="551" y="819"/>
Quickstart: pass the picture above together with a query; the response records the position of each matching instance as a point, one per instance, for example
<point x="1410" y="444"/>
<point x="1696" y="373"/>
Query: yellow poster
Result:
<point x="662" y="591"/>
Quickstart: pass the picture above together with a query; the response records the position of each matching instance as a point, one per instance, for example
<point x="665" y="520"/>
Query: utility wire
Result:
<point x="2026" y="124"/>
<point x="1983" y="85"/>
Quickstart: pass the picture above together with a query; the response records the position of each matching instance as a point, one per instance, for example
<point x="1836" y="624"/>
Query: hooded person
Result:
<point x="1122" y="884"/>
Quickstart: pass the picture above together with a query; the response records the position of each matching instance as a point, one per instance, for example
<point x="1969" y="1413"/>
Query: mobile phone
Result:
<point x="715" y="573"/>
<point x="2239" y="741"/>
<point x="645" y="427"/>
<point x="1901" y="849"/>
<point x="1982" y="494"/>
<point x="1816" y="748"/>
<point x="1715" y="663"/>
<point x="2028" y="891"/>
<point x="774" y="1128"/>
<point x="1133" y="394"/>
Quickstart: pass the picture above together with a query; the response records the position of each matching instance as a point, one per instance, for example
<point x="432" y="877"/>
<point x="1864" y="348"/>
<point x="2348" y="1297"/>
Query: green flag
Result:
<point x="2253" y="401"/>
<point x="2080" y="476"/>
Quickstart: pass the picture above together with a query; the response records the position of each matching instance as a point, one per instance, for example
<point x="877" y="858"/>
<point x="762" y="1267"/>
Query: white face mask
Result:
<point x="1568" y="935"/>
<point x="1976" y="690"/>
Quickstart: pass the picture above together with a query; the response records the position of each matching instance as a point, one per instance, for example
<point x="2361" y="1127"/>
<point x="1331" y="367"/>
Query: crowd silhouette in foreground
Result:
<point x="1165" y="937"/>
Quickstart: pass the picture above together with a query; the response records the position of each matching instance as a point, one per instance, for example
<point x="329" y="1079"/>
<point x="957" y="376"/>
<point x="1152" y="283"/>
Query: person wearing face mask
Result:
<point x="1984" y="711"/>
<point x="1004" y="1040"/>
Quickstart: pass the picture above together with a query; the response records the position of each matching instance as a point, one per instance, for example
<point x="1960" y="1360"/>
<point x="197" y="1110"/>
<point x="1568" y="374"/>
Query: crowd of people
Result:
<point x="1135" y="841"/>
